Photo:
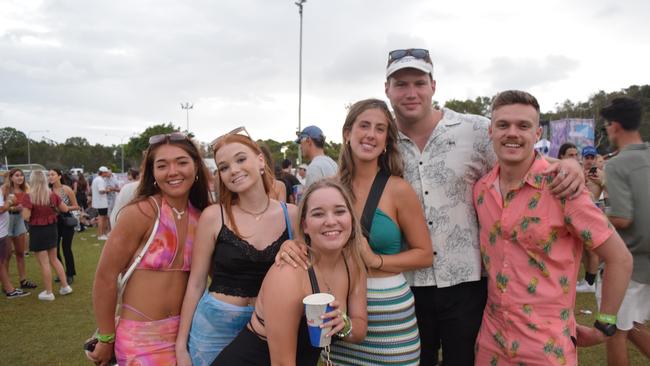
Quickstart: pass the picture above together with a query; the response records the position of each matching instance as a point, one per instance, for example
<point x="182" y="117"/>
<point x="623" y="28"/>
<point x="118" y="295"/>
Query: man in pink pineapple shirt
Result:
<point x="531" y="244"/>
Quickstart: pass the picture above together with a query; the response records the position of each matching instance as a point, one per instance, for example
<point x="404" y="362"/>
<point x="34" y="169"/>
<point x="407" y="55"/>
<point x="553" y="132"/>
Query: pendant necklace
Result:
<point x="179" y="214"/>
<point x="257" y="215"/>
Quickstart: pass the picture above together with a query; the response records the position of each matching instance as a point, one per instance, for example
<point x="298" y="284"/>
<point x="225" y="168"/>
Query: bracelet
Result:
<point x="606" y="318"/>
<point x="381" y="264"/>
<point x="105" y="338"/>
<point x="347" y="328"/>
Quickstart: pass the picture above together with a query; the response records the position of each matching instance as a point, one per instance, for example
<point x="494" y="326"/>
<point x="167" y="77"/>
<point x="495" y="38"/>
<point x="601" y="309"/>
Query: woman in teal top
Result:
<point x="399" y="239"/>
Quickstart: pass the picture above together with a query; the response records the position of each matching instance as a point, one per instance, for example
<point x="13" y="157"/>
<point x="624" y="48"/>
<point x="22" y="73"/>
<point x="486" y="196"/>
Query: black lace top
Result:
<point x="238" y="268"/>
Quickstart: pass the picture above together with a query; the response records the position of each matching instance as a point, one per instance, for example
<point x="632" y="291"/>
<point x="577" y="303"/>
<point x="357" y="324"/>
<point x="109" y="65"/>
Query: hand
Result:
<point x="369" y="257"/>
<point x="293" y="253"/>
<point x="183" y="357"/>
<point x="102" y="354"/>
<point x="588" y="336"/>
<point x="569" y="181"/>
<point x="335" y="319"/>
<point x="597" y="177"/>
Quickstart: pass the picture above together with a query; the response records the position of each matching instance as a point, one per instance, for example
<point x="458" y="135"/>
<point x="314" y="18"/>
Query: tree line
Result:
<point x="78" y="152"/>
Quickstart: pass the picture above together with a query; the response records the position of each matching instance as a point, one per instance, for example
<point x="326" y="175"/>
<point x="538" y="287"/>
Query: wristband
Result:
<point x="381" y="264"/>
<point x="606" y="318"/>
<point x="105" y="338"/>
<point x="347" y="329"/>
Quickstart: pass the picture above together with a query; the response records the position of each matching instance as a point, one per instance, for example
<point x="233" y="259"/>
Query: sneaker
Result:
<point x="44" y="296"/>
<point x="102" y="237"/>
<point x="16" y="293"/>
<point x="27" y="284"/>
<point x="584" y="287"/>
<point x="65" y="290"/>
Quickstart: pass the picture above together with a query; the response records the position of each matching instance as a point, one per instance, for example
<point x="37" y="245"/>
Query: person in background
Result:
<point x="40" y="210"/>
<point x="290" y="181"/>
<point x="10" y="291"/>
<point x="173" y="191"/>
<point x="15" y="184"/>
<point x="530" y="246"/>
<point x="236" y="243"/>
<point x="279" y="189"/>
<point x="312" y="146"/>
<point x="82" y="198"/>
<point x="113" y="188"/>
<point x="301" y="173"/>
<point x="276" y="333"/>
<point x="100" y="202"/>
<point x="628" y="177"/>
<point x="65" y="232"/>
<point x="568" y="150"/>
<point x="126" y="194"/>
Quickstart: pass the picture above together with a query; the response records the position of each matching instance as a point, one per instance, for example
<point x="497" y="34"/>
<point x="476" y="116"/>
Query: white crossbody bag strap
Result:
<point x="122" y="280"/>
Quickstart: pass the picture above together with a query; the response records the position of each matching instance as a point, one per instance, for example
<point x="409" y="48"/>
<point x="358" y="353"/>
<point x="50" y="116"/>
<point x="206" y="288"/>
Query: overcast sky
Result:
<point x="105" y="70"/>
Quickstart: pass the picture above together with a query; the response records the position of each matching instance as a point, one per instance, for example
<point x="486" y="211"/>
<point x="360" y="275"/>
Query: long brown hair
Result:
<point x="352" y="248"/>
<point x="390" y="160"/>
<point x="199" y="196"/>
<point x="226" y="197"/>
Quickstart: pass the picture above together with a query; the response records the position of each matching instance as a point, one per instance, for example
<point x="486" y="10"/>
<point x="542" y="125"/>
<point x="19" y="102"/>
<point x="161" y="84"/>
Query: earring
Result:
<point x="384" y="150"/>
<point x="155" y="184"/>
<point x="262" y="171"/>
<point x="196" y="178"/>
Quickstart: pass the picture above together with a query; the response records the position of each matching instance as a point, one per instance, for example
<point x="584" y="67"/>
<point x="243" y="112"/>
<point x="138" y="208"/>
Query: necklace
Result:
<point x="179" y="214"/>
<point x="257" y="215"/>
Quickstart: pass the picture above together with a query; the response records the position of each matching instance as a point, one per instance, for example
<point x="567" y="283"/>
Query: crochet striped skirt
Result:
<point x="393" y="337"/>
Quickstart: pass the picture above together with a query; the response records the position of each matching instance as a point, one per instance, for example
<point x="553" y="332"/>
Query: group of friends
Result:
<point x="439" y="231"/>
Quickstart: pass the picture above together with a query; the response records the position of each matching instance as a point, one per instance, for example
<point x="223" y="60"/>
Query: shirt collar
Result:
<point x="533" y="177"/>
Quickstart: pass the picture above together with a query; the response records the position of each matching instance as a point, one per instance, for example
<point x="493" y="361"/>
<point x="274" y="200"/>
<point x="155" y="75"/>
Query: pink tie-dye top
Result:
<point x="162" y="252"/>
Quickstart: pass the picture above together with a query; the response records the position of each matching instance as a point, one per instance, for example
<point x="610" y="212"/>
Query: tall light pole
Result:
<point x="300" y="3"/>
<point x="187" y="106"/>
<point x="121" y="148"/>
<point x="29" y="153"/>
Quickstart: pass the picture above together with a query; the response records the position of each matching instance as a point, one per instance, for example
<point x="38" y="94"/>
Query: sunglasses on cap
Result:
<point x="174" y="136"/>
<point x="419" y="53"/>
<point x="241" y="130"/>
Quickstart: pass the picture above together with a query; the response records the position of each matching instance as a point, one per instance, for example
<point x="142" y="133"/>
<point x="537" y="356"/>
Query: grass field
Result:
<point x="34" y="332"/>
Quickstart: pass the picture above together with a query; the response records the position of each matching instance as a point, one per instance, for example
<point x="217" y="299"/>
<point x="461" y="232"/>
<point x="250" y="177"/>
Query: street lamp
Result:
<point x="300" y="3"/>
<point x="29" y="153"/>
<point x="121" y="147"/>
<point x="187" y="106"/>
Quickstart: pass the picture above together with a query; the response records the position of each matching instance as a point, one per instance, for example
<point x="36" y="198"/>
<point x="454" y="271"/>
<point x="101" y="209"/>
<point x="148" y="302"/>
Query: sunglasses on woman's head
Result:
<point x="174" y="136"/>
<point x="241" y="130"/>
<point x="419" y="53"/>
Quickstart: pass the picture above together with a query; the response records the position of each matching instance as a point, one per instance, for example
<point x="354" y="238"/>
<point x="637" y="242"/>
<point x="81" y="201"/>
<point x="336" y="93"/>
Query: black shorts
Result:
<point x="42" y="237"/>
<point x="102" y="211"/>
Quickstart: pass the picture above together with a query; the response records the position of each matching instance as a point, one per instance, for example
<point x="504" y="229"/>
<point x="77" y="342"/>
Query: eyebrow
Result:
<point x="176" y="158"/>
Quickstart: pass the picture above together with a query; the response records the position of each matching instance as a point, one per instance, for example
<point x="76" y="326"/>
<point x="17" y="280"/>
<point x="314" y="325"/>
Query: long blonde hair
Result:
<point x="390" y="160"/>
<point x="39" y="191"/>
<point x="352" y="248"/>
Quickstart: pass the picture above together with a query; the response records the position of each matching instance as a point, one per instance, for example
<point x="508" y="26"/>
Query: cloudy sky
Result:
<point x="105" y="70"/>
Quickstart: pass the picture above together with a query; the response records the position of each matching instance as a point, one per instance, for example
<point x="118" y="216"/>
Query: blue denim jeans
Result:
<point x="214" y="326"/>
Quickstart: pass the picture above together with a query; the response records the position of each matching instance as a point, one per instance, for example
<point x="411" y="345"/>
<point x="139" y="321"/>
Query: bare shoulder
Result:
<point x="285" y="279"/>
<point x="398" y="186"/>
<point x="212" y="212"/>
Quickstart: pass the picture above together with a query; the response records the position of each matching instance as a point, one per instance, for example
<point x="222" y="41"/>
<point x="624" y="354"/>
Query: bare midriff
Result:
<point x="157" y="294"/>
<point x="234" y="300"/>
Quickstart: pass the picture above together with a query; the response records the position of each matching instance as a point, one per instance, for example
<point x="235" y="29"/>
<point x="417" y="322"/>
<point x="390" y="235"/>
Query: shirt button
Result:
<point x="435" y="253"/>
<point x="430" y="222"/>
<point x="421" y="163"/>
<point x="426" y="192"/>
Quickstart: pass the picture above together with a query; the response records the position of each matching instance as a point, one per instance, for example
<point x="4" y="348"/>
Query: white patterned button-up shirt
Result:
<point x="457" y="154"/>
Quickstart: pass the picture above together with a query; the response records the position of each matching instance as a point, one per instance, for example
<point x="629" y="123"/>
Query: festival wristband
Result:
<point x="606" y="318"/>
<point x="105" y="338"/>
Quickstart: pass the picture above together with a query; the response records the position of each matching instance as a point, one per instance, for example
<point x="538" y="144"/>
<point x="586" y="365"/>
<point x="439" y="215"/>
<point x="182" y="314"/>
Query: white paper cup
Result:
<point x="315" y="306"/>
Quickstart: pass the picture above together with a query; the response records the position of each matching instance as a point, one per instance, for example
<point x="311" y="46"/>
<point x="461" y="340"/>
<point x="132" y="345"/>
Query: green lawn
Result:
<point x="34" y="332"/>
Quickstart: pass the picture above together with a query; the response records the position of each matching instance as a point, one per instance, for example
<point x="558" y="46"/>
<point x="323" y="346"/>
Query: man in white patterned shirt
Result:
<point x="444" y="154"/>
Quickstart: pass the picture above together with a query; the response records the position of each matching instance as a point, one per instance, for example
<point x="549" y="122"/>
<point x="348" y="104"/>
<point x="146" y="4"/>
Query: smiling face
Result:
<point x="239" y="167"/>
<point x="368" y="134"/>
<point x="514" y="131"/>
<point x="18" y="178"/>
<point x="327" y="221"/>
<point x="410" y="92"/>
<point x="174" y="170"/>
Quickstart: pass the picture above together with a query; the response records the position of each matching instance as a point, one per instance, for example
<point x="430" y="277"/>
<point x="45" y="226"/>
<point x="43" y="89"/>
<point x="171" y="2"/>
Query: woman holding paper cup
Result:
<point x="370" y="166"/>
<point x="278" y="332"/>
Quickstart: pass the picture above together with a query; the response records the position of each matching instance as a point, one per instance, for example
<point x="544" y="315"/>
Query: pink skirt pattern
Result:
<point x="146" y="343"/>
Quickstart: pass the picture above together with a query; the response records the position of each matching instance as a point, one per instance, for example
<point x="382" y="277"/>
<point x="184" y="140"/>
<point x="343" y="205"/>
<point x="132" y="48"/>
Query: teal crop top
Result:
<point x="385" y="236"/>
